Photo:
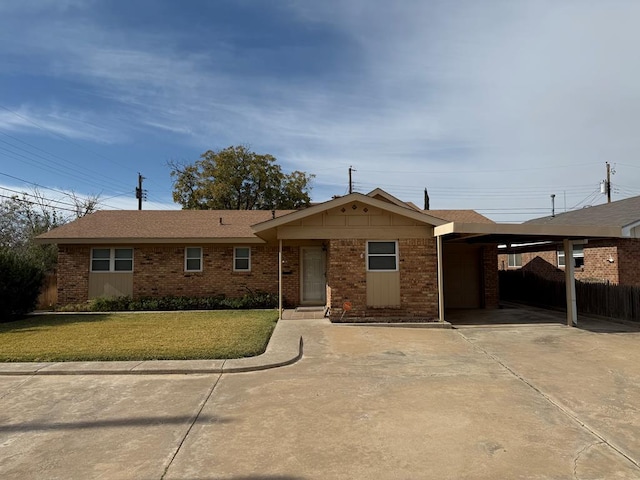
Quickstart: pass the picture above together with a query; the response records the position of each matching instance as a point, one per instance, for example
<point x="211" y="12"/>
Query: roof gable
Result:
<point x="345" y="202"/>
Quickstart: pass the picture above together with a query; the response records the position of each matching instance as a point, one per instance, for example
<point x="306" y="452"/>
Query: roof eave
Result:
<point x="148" y="241"/>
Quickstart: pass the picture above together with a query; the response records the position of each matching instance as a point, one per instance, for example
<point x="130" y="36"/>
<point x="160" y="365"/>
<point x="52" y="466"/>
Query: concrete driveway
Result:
<point x="537" y="400"/>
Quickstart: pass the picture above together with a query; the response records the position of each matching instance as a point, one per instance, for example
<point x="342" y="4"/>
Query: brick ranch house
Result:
<point x="613" y="260"/>
<point x="362" y="257"/>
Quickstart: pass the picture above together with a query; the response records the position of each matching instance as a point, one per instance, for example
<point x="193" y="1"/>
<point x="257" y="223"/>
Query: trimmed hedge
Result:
<point x="20" y="281"/>
<point x="170" y="303"/>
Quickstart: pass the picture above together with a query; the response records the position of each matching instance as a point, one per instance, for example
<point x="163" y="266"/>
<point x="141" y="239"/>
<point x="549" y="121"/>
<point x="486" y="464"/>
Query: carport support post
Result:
<point x="440" y="280"/>
<point x="280" y="279"/>
<point x="570" y="282"/>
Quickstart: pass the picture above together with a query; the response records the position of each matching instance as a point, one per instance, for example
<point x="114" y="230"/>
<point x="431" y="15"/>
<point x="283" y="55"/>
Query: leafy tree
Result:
<point x="238" y="179"/>
<point x="22" y="218"/>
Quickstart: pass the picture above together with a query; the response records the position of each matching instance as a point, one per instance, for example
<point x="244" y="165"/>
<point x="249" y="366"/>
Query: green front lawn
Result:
<point x="137" y="336"/>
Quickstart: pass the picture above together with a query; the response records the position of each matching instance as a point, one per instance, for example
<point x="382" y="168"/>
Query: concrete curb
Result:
<point x="395" y="324"/>
<point x="285" y="347"/>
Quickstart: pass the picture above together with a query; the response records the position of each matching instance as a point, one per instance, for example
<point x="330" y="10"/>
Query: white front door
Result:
<point x="313" y="276"/>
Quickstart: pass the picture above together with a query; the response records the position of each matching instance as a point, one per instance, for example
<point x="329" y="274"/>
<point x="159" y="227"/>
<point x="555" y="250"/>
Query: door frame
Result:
<point x="323" y="301"/>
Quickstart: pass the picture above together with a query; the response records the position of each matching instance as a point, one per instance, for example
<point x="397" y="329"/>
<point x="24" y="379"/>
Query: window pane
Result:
<point x="242" y="252"/>
<point x="193" y="264"/>
<point x="101" y="253"/>
<point x="382" y="263"/>
<point x="124" y="253"/>
<point x="193" y="252"/>
<point x="382" y="248"/>
<point x="242" y="264"/>
<point x="123" y="265"/>
<point x="100" y="265"/>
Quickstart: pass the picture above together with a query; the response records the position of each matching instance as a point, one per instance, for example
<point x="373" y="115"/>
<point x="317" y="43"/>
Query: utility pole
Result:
<point x="351" y="169"/>
<point x="608" y="183"/>
<point x="553" y="204"/>
<point x="140" y="193"/>
<point x="426" y="200"/>
<point x="605" y="185"/>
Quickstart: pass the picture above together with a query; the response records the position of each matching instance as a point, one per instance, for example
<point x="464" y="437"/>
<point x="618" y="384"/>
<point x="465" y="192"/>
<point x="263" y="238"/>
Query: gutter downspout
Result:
<point x="280" y="279"/>
<point x="440" y="281"/>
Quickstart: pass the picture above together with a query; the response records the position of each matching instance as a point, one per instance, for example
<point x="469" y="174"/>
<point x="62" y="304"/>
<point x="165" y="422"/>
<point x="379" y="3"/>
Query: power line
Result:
<point x="53" y="190"/>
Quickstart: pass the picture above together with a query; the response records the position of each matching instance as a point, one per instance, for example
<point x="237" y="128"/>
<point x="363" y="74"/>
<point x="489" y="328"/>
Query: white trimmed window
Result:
<point x="193" y="259"/>
<point x="515" y="260"/>
<point x="382" y="256"/>
<point x="242" y="259"/>
<point x="578" y="256"/>
<point x="112" y="260"/>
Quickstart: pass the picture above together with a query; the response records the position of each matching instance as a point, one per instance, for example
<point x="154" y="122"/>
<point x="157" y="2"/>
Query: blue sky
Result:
<point x="491" y="105"/>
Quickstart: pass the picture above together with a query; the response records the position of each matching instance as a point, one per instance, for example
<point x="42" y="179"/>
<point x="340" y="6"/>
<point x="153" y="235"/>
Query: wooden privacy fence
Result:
<point x="49" y="292"/>
<point x="615" y="301"/>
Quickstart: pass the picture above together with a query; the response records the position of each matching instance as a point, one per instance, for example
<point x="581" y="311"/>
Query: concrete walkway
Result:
<point x="482" y="401"/>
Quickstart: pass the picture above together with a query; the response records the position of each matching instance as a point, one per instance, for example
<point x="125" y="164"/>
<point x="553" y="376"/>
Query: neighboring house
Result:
<point x="614" y="260"/>
<point x="365" y="256"/>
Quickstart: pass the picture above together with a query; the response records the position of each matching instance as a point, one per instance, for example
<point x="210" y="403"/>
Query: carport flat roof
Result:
<point x="520" y="233"/>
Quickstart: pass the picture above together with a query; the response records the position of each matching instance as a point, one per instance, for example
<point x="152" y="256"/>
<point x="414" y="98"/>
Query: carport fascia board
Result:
<point x="566" y="233"/>
<point x="479" y="230"/>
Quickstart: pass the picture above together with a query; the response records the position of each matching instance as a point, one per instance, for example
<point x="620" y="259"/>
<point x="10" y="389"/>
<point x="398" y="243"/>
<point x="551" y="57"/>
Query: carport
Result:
<point x="516" y="238"/>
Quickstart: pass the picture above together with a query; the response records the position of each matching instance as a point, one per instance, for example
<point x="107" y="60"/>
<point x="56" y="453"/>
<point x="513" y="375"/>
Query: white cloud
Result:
<point x="460" y="97"/>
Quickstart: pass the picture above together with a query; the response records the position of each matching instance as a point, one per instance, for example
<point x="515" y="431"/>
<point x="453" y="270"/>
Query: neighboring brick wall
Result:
<point x="629" y="261"/>
<point x="346" y="276"/>
<point x="73" y="274"/>
<point x="159" y="271"/>
<point x="596" y="262"/>
<point x="597" y="266"/>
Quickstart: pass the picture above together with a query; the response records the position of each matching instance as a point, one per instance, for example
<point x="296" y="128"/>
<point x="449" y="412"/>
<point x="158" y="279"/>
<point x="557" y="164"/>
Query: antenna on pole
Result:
<point x="140" y="193"/>
<point x="351" y="169"/>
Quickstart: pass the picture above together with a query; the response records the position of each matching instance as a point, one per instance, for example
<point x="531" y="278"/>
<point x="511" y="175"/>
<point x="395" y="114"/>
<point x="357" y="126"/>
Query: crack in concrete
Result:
<point x="16" y="387"/>
<point x="569" y="413"/>
<point x="184" y="438"/>
<point x="579" y="454"/>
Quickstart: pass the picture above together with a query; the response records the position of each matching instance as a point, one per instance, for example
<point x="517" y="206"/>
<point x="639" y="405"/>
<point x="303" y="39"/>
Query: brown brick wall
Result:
<point x="159" y="270"/>
<point x="490" y="277"/>
<point x="346" y="275"/>
<point x="290" y="275"/>
<point x="73" y="274"/>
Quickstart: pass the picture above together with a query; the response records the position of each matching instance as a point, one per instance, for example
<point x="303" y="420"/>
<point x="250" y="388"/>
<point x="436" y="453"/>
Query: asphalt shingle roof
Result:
<point x="463" y="216"/>
<point x="615" y="214"/>
<point x="163" y="224"/>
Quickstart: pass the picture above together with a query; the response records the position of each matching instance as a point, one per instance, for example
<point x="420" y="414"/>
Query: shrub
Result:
<point x="20" y="281"/>
<point x="251" y="300"/>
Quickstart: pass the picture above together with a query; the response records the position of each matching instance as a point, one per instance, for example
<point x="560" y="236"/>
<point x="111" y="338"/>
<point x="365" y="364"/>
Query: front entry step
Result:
<point x="311" y="309"/>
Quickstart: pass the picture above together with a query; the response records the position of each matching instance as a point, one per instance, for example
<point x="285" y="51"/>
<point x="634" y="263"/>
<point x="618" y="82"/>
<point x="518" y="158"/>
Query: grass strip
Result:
<point x="137" y="336"/>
